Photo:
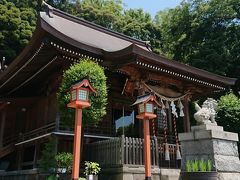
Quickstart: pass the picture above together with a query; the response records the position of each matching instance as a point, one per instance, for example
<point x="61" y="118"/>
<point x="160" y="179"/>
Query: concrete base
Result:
<point x="210" y="141"/>
<point x="228" y="176"/>
<point x="138" y="173"/>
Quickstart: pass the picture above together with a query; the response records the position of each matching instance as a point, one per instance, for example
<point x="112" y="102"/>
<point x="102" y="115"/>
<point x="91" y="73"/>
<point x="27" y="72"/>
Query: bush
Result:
<point x="64" y="160"/>
<point x="91" y="168"/>
<point x="47" y="161"/>
<point x="229" y="112"/>
<point x="95" y="74"/>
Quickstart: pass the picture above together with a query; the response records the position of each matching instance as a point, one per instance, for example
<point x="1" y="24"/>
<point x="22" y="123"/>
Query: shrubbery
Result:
<point x="229" y="113"/>
<point x="95" y="74"/>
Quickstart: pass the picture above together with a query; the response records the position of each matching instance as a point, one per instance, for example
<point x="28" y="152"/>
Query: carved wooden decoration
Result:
<point x="129" y="87"/>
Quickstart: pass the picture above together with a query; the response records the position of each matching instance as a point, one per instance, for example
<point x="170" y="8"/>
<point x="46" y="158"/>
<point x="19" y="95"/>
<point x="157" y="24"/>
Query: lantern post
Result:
<point x="146" y="105"/>
<point x="79" y="100"/>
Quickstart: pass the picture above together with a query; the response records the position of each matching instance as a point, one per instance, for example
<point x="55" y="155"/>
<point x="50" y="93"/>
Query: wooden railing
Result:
<point x="90" y="129"/>
<point x="124" y="150"/>
<point x="102" y="130"/>
<point x="9" y="140"/>
<point x="38" y="132"/>
<point x="6" y="150"/>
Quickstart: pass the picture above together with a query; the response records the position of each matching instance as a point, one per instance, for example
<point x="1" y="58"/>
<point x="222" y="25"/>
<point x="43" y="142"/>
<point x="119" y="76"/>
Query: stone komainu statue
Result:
<point x="207" y="113"/>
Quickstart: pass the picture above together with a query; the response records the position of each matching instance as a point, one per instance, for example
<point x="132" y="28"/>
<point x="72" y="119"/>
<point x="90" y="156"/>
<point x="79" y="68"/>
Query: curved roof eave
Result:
<point x="83" y="34"/>
<point x="185" y="69"/>
<point x="135" y="51"/>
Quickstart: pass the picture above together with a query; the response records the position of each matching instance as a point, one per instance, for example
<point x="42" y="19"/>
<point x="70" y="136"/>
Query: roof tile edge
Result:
<point x="51" y="10"/>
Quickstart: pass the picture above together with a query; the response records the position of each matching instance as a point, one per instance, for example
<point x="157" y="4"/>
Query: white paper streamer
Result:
<point x="180" y="105"/>
<point x="174" y="110"/>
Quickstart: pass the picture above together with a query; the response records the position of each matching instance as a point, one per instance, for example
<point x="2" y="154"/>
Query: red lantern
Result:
<point x="80" y="94"/>
<point x="146" y="104"/>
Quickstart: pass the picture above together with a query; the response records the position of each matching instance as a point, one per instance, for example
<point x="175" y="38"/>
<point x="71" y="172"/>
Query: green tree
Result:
<point x="95" y="74"/>
<point x="204" y="34"/>
<point x="138" y="24"/>
<point x="16" y="27"/>
<point x="229" y="113"/>
<point x="101" y="12"/>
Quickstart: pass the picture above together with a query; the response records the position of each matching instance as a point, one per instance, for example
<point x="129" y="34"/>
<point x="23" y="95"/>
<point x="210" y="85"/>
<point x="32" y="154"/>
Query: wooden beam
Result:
<point x="186" y="118"/>
<point x="165" y="79"/>
<point x="2" y="127"/>
<point x="3" y="105"/>
<point x="131" y="71"/>
<point x="19" y="100"/>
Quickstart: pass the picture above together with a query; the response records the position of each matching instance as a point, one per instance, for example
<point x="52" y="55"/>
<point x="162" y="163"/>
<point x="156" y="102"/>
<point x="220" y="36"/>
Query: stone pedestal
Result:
<point x="210" y="141"/>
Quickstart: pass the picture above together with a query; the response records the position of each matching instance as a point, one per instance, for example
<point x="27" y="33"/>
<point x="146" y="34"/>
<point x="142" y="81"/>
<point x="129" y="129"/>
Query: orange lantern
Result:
<point x="146" y="105"/>
<point x="80" y="94"/>
<point x="79" y="99"/>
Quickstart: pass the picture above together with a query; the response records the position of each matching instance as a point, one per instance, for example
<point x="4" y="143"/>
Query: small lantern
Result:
<point x="146" y="105"/>
<point x="80" y="94"/>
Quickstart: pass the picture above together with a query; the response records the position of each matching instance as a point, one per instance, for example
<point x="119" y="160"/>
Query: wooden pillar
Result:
<point x="19" y="157"/>
<point x="2" y="126"/>
<point x="147" y="149"/>
<point x="170" y="124"/>
<point x="141" y="91"/>
<point x="57" y="126"/>
<point x="77" y="144"/>
<point x="36" y="153"/>
<point x="186" y="118"/>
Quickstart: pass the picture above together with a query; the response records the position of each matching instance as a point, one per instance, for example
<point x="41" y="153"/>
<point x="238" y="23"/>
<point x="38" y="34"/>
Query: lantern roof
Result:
<point x="146" y="98"/>
<point x="83" y="83"/>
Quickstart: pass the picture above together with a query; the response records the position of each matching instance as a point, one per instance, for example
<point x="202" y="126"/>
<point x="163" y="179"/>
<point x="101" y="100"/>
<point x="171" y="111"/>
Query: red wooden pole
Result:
<point x="147" y="152"/>
<point x="77" y="144"/>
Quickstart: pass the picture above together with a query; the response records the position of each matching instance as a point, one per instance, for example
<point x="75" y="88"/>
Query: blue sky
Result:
<point x="151" y="6"/>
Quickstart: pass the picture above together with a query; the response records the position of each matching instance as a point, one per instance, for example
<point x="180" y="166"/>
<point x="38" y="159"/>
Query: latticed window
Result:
<point x="82" y="94"/>
<point x="141" y="108"/>
<point x="74" y="95"/>
<point x="160" y="119"/>
<point x="149" y="107"/>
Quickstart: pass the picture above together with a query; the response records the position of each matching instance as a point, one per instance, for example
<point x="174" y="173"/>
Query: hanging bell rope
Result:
<point x="178" y="154"/>
<point x="167" y="156"/>
<point x="153" y="128"/>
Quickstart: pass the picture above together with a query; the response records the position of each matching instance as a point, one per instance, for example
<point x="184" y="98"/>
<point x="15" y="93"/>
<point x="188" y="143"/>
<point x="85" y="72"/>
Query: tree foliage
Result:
<point x="16" y="26"/>
<point x="204" y="34"/>
<point x="95" y="74"/>
<point x="229" y="113"/>
<point x="101" y="12"/>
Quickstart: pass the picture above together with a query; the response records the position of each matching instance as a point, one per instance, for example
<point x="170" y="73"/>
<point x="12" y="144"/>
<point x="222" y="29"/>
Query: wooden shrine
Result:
<point x="29" y="115"/>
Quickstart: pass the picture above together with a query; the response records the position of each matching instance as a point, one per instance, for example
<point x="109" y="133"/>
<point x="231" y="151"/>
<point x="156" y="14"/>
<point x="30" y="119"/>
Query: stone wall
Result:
<point x="138" y="173"/>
